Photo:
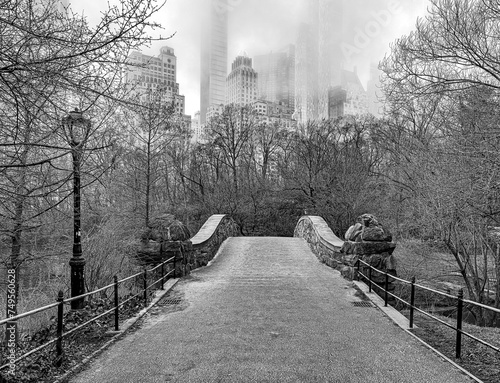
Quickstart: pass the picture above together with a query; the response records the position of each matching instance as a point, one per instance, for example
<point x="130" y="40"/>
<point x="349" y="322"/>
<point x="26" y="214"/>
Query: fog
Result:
<point x="260" y="26"/>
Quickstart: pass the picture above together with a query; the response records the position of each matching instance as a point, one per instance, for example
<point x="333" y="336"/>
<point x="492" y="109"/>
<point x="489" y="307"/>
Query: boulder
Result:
<point x="366" y="248"/>
<point x="375" y="234"/>
<point x="353" y="232"/>
<point x="368" y="220"/>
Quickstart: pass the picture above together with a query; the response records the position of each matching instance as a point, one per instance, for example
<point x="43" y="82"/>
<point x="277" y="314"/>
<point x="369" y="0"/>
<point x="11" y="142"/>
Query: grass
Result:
<point x="435" y="268"/>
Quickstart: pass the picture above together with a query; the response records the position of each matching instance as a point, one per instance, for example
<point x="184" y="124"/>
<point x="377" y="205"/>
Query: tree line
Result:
<point x="428" y="168"/>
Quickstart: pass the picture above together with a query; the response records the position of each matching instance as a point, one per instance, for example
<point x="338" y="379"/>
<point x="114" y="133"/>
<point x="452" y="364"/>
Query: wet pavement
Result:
<point x="266" y="310"/>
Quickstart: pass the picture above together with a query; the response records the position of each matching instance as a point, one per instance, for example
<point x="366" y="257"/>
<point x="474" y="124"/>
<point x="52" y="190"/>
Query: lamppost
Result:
<point x="76" y="129"/>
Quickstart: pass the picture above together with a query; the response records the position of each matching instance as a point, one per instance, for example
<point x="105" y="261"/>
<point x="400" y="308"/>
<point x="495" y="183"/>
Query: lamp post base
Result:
<point x="77" y="265"/>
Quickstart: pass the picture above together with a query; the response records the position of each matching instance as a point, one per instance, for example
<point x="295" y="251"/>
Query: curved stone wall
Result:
<point x="367" y="240"/>
<point x="207" y="241"/>
<point x="326" y="245"/>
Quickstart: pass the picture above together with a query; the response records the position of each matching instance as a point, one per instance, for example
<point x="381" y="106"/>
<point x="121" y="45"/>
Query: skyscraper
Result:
<point x="323" y="89"/>
<point x="213" y="56"/>
<point x="276" y="76"/>
<point x="306" y="75"/>
<point x="156" y="73"/>
<point x="374" y="91"/>
<point x="241" y="82"/>
<point x="330" y="27"/>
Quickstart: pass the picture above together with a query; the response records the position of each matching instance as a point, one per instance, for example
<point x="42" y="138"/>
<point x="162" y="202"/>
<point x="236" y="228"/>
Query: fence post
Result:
<point x="369" y="279"/>
<point x="386" y="288"/>
<point x="175" y="258"/>
<point x="145" y="287"/>
<point x="412" y="300"/>
<point x="162" y="276"/>
<point x="460" y="305"/>
<point x="60" y="313"/>
<point x="117" y="328"/>
<point x="357" y="272"/>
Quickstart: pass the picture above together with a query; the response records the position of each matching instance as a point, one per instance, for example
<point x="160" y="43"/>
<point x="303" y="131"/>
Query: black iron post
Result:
<point x="412" y="301"/>
<point x="460" y="305"/>
<point x="77" y="262"/>
<point x="145" y="280"/>
<point x="77" y="130"/>
<point x="60" y="312"/>
<point x="162" y="276"/>
<point x="386" y="289"/>
<point x="370" y="279"/>
<point x="117" y="302"/>
<point x="174" y="273"/>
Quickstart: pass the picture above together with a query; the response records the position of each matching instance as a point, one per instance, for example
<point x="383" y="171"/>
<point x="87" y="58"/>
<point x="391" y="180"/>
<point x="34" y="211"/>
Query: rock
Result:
<point x="364" y="248"/>
<point x="347" y="247"/>
<point x="375" y="234"/>
<point x="368" y="220"/>
<point x="350" y="259"/>
<point x="390" y="262"/>
<point x="353" y="232"/>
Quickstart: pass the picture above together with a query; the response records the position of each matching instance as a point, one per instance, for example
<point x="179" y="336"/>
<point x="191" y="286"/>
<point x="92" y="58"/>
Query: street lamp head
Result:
<point x="76" y="127"/>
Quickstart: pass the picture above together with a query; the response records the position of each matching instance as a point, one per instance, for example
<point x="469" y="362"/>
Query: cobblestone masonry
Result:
<point x="367" y="240"/>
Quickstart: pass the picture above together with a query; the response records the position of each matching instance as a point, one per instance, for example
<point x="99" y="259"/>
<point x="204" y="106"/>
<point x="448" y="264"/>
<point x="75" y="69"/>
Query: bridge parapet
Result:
<point x="207" y="241"/>
<point x="326" y="245"/>
<point x="366" y="240"/>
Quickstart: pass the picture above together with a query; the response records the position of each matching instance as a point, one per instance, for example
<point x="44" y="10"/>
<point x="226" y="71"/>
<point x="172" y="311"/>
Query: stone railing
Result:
<point x="206" y="242"/>
<point x="366" y="240"/>
<point x="326" y="245"/>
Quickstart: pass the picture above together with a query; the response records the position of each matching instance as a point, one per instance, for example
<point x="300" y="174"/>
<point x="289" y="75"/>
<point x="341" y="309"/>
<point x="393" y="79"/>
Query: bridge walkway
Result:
<point x="266" y="310"/>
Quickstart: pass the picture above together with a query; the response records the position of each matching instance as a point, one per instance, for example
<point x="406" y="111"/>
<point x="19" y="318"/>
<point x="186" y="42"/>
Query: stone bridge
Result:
<point x="264" y="309"/>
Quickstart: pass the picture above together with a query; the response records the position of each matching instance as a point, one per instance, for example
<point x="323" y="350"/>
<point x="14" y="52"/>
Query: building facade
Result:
<point x="276" y="76"/>
<point x="213" y="56"/>
<point x="275" y="113"/>
<point x="241" y="83"/>
<point x="319" y="61"/>
<point x="156" y="74"/>
<point x="348" y="98"/>
<point x="374" y="92"/>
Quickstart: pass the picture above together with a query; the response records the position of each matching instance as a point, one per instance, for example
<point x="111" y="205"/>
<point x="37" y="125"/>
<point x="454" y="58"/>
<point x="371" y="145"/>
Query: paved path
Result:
<point x="267" y="311"/>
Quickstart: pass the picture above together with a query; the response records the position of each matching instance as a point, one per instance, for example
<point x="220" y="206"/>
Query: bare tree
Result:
<point x="51" y="61"/>
<point x="441" y="83"/>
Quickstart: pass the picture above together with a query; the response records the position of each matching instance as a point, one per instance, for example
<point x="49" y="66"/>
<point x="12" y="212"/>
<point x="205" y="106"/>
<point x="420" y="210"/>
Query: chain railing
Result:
<point x="157" y="272"/>
<point x="459" y="304"/>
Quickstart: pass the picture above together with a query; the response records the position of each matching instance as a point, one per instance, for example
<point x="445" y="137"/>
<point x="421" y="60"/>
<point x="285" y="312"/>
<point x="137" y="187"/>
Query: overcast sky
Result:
<point x="259" y="26"/>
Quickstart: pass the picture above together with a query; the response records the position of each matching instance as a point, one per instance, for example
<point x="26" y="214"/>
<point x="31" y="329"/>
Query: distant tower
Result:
<point x="213" y="56"/>
<point x="242" y="82"/>
<point x="276" y="76"/>
<point x="306" y="75"/>
<point x="374" y="92"/>
<point x="318" y="62"/>
<point x="156" y="74"/>
<point x="330" y="26"/>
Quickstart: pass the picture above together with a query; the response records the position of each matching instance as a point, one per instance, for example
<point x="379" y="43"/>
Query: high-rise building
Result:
<point x="276" y="76"/>
<point x="374" y="92"/>
<point x="348" y="98"/>
<point x="274" y="113"/>
<point x="156" y="73"/>
<point x="241" y="82"/>
<point x="330" y="28"/>
<point x="323" y="89"/>
<point x="306" y="75"/>
<point x="213" y="56"/>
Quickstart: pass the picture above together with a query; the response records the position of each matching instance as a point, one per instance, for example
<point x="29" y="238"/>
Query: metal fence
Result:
<point x="157" y="273"/>
<point x="459" y="298"/>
